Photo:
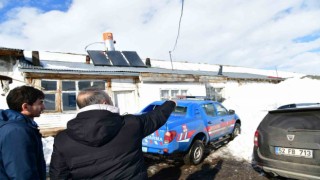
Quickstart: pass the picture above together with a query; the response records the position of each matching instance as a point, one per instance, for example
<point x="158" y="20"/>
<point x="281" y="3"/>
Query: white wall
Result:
<point x="150" y="92"/>
<point x="17" y="80"/>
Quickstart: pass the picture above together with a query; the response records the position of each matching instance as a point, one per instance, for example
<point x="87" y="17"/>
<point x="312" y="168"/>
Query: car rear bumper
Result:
<point x="286" y="169"/>
<point x="165" y="149"/>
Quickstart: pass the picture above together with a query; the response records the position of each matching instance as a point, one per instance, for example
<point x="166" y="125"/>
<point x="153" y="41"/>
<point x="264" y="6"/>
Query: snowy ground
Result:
<point x="251" y="102"/>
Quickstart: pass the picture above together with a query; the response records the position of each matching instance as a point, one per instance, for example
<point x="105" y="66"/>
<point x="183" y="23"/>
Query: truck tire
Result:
<point x="236" y="131"/>
<point x="195" y="154"/>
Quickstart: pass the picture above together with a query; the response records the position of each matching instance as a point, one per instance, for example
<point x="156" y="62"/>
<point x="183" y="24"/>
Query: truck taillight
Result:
<point x="169" y="136"/>
<point x="256" y="135"/>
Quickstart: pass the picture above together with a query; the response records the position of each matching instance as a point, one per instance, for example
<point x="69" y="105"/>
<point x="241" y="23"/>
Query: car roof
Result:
<point x="187" y="102"/>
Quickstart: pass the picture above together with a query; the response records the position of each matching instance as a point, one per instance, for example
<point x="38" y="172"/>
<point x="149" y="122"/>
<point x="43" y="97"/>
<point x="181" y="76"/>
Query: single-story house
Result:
<point x="62" y="75"/>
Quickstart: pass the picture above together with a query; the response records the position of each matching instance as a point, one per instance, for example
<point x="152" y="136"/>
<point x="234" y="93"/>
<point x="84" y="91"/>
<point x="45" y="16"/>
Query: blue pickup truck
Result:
<point x="191" y="126"/>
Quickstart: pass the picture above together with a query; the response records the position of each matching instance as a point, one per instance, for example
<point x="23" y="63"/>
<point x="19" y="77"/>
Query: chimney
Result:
<point x="87" y="59"/>
<point x="108" y="41"/>
<point x="220" y="70"/>
<point x="148" y="62"/>
<point x="35" y="58"/>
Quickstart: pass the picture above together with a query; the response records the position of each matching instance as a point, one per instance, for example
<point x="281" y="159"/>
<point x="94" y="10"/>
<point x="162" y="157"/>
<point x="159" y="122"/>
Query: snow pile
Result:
<point x="47" y="148"/>
<point x="253" y="101"/>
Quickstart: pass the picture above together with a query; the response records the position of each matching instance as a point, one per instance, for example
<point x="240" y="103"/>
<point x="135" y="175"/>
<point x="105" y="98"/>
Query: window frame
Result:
<point x="59" y="92"/>
<point x="170" y="93"/>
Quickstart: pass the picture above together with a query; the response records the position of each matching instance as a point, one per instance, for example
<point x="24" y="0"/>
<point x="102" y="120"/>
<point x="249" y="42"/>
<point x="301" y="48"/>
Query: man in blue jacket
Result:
<point x="21" y="153"/>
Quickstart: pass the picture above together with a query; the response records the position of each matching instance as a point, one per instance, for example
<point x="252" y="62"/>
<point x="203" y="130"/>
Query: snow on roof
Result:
<point x="56" y="56"/>
<point x="69" y="61"/>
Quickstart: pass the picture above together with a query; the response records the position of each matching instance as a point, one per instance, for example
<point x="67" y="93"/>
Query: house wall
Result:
<point x="17" y="80"/>
<point x="149" y="92"/>
<point x="123" y="93"/>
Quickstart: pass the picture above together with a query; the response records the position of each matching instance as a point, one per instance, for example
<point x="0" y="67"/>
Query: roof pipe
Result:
<point x="108" y="41"/>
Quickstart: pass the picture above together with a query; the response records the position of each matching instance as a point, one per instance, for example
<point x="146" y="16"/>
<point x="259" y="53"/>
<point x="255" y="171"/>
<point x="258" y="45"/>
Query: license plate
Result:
<point x="144" y="149"/>
<point x="306" y="153"/>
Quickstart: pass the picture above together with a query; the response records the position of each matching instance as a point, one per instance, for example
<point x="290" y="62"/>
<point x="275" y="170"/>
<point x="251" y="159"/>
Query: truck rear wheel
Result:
<point x="195" y="154"/>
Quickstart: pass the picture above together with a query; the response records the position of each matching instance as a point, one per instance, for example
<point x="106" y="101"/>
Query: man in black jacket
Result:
<point x="100" y="144"/>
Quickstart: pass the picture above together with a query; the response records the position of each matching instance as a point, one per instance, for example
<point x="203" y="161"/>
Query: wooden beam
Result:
<point x="11" y="52"/>
<point x="46" y="132"/>
<point x="163" y="77"/>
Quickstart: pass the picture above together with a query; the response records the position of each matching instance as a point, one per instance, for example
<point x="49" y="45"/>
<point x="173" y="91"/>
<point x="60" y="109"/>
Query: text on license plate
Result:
<point x="306" y="153"/>
<point x="144" y="149"/>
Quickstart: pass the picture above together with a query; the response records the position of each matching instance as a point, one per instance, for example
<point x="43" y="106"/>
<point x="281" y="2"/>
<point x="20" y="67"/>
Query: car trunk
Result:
<point x="156" y="139"/>
<point x="291" y="136"/>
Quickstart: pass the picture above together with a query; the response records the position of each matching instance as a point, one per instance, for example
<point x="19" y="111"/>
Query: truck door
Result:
<point x="226" y="120"/>
<point x="212" y="120"/>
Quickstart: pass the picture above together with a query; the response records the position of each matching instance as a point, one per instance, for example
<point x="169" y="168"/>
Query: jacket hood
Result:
<point x="9" y="116"/>
<point x="94" y="127"/>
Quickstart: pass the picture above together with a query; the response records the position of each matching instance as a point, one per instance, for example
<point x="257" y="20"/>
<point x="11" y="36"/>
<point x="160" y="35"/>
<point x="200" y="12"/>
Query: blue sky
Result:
<point x="266" y="34"/>
<point x="42" y="5"/>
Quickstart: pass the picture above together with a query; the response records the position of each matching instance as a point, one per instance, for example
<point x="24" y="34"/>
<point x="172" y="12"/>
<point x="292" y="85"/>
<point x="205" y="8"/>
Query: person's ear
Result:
<point x="24" y="107"/>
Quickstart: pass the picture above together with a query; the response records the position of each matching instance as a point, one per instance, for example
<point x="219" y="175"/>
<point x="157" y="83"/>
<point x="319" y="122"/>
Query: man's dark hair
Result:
<point x="23" y="94"/>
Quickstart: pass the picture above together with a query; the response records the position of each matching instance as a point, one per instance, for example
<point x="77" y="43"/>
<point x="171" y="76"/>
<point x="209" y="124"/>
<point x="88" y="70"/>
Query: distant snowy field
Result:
<point x="251" y="102"/>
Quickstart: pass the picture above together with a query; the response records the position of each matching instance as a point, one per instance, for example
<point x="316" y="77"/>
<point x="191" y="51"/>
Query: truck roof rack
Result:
<point x="193" y="97"/>
<point x="299" y="105"/>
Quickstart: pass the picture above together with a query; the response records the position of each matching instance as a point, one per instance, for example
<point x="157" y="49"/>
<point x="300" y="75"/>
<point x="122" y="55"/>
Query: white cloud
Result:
<point x="245" y="33"/>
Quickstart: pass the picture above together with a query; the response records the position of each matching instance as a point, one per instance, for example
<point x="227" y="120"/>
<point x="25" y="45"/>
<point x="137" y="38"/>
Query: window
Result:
<point x="60" y="95"/>
<point x="49" y="85"/>
<point x="49" y="101"/>
<point x="164" y="94"/>
<point x="174" y="93"/>
<point x="69" y="101"/>
<point x="69" y="95"/>
<point x="179" y="110"/>
<point x="209" y="109"/>
<point x="49" y="88"/>
<point x="171" y="93"/>
<point x="221" y="110"/>
<point x="184" y="92"/>
<point x="68" y="86"/>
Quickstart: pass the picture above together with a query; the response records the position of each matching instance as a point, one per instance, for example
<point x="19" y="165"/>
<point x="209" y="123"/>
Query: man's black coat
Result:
<point x="99" y="144"/>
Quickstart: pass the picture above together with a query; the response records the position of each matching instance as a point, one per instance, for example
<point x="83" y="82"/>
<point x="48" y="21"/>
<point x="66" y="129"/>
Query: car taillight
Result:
<point x="256" y="135"/>
<point x="169" y="136"/>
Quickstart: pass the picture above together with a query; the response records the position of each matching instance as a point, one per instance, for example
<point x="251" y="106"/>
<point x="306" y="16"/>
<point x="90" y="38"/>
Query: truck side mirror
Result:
<point x="231" y="111"/>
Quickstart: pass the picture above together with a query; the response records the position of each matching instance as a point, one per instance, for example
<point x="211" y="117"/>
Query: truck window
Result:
<point x="179" y="110"/>
<point x="209" y="109"/>
<point x="221" y="110"/>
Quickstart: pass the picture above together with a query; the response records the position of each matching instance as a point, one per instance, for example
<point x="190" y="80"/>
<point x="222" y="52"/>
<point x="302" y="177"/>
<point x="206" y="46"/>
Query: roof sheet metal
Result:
<point x="76" y="68"/>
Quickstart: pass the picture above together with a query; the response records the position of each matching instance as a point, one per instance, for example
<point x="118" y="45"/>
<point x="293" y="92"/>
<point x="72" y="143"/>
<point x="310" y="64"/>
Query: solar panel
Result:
<point x="99" y="58"/>
<point x="133" y="58"/>
<point x="117" y="59"/>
